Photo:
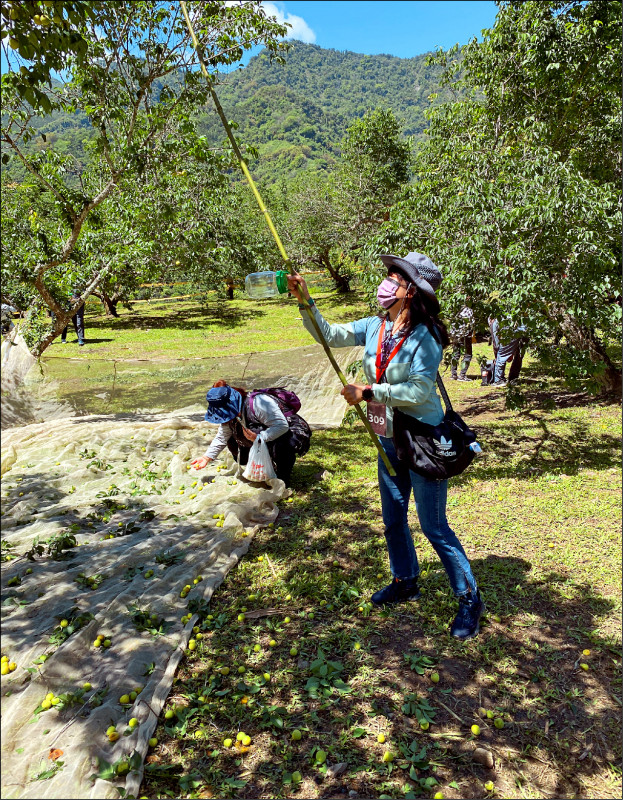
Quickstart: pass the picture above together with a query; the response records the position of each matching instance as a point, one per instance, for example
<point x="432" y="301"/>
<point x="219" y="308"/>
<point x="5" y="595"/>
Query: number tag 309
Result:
<point x="377" y="417"/>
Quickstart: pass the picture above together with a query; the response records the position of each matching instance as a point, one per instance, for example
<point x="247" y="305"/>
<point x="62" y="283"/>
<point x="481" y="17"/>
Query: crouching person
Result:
<point x="242" y="416"/>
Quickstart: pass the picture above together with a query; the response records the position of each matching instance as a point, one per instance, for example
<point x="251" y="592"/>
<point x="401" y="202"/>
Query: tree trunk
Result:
<point x="59" y="323"/>
<point x="585" y="339"/>
<point x="230" y="289"/>
<point x="109" y="303"/>
<point x="342" y="282"/>
<point x="63" y="316"/>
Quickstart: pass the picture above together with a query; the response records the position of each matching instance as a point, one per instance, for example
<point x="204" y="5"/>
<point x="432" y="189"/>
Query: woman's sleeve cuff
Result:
<point x="381" y="392"/>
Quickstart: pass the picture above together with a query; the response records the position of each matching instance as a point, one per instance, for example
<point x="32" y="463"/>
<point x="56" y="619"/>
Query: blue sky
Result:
<point x="404" y="28"/>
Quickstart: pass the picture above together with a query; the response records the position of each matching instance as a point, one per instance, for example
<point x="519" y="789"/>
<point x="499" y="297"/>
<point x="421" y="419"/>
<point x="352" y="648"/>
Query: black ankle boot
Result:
<point x="396" y="592"/>
<point x="467" y="621"/>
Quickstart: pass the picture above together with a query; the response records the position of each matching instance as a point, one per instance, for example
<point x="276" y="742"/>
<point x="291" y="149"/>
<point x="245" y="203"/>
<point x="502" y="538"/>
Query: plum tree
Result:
<point x="133" y="76"/>
<point x="516" y="192"/>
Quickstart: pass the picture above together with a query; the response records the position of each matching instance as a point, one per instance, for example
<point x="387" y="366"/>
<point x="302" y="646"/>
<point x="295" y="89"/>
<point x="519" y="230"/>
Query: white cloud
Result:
<point x="298" y="29"/>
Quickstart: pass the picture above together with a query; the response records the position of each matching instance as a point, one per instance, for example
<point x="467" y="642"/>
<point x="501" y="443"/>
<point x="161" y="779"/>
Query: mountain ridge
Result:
<point x="339" y="86"/>
<point x="294" y="114"/>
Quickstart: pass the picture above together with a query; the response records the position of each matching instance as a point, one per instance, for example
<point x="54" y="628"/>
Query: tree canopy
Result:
<point x="511" y="184"/>
<point x="327" y="219"/>
<point x="135" y="79"/>
<point x="516" y="192"/>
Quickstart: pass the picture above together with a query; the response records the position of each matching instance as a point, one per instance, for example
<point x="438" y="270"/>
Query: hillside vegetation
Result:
<point x="294" y="114"/>
<point x="297" y="113"/>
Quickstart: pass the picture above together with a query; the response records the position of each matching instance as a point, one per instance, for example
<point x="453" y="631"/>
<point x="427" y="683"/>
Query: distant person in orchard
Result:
<point x="7" y="317"/>
<point x="507" y="340"/>
<point x="461" y="332"/>
<point x="242" y="416"/>
<point x="77" y="319"/>
<point x="403" y="350"/>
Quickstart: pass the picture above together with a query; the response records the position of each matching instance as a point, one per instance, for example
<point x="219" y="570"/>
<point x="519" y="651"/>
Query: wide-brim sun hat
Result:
<point x="224" y="404"/>
<point x="416" y="268"/>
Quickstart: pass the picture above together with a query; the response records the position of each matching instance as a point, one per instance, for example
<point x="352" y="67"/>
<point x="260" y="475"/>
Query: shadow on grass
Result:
<point x="526" y="676"/>
<point x="533" y="442"/>
<point x="87" y="341"/>
<point x="544" y="447"/>
<point x="559" y="726"/>
<point x="198" y="317"/>
<point x="223" y="314"/>
<point x="509" y="453"/>
<point x="550" y="399"/>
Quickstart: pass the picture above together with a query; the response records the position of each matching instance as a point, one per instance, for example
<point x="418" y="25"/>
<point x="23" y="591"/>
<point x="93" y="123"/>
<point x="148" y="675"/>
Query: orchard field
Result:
<point x="500" y="159"/>
<point x="539" y="514"/>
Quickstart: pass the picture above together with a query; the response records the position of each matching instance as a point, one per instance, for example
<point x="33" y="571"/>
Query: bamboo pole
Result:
<point x="307" y="308"/>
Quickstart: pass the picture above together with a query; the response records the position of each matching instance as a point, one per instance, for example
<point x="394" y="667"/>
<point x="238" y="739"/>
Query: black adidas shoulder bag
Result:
<point x="435" y="451"/>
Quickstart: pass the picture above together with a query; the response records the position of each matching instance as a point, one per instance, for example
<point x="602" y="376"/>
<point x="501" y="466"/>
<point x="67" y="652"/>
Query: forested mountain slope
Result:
<point x="295" y="114"/>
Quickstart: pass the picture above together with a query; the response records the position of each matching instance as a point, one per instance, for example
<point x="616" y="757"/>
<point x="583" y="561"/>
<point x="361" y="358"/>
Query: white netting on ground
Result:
<point x="144" y="526"/>
<point x="57" y="387"/>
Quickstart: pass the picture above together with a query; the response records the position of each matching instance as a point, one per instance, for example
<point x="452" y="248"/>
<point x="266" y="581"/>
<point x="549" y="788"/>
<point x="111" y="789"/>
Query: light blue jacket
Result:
<point x="410" y="375"/>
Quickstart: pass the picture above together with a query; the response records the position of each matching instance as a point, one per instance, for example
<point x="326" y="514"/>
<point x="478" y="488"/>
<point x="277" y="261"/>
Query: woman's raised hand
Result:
<point x="201" y="462"/>
<point x="353" y="393"/>
<point x="298" y="287"/>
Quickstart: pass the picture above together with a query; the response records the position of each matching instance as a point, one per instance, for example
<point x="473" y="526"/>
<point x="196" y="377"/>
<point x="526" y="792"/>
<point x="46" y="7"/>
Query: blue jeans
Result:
<point x="505" y="352"/>
<point x="430" y="501"/>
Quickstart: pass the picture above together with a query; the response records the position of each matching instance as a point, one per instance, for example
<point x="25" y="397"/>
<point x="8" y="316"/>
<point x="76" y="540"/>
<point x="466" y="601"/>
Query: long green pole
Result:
<point x="273" y="230"/>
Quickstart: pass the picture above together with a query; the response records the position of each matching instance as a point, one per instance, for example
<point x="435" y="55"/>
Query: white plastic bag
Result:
<point x="260" y="465"/>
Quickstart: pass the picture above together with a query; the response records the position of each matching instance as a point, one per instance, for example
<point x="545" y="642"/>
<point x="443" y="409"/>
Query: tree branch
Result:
<point x="62" y="316"/>
<point x="75" y="232"/>
<point x="68" y="208"/>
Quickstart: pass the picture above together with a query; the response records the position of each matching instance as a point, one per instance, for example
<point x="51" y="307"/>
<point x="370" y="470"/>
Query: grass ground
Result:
<point x="165" y="354"/>
<point x="539" y="515"/>
<point x="188" y="329"/>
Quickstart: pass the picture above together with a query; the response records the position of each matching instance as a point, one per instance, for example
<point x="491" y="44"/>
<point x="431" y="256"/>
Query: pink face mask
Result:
<point x="386" y="293"/>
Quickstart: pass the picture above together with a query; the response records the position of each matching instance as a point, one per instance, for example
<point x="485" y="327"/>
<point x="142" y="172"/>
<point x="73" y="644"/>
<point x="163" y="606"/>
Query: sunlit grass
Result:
<point x="188" y="329"/>
<point x="539" y="516"/>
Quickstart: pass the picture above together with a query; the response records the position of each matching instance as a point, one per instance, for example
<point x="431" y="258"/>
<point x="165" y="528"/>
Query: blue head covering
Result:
<point x="224" y="404"/>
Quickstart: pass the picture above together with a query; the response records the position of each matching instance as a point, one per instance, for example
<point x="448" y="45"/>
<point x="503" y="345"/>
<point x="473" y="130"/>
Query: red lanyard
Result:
<point x="380" y="368"/>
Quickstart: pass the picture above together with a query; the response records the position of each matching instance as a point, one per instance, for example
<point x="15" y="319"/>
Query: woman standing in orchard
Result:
<point x="403" y="350"/>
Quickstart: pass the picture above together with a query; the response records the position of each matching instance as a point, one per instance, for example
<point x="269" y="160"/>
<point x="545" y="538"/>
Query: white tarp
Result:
<point x="124" y="476"/>
<point x="94" y="466"/>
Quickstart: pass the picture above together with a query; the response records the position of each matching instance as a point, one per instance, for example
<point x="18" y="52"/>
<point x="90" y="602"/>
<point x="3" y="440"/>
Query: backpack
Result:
<point x="288" y="402"/>
<point x="486" y="373"/>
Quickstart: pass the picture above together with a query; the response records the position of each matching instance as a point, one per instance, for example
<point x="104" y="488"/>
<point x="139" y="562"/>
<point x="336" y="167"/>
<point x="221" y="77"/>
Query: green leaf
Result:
<point x="105" y="770"/>
<point x="135" y="761"/>
<point x="49" y="773"/>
